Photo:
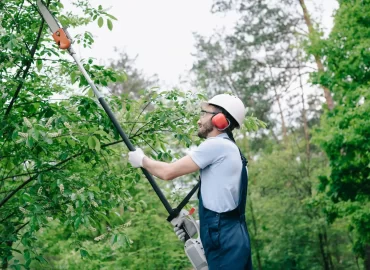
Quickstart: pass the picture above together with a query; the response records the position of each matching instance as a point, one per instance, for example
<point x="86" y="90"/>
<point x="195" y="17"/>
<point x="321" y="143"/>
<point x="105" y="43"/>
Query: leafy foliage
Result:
<point x="69" y="199"/>
<point x="344" y="133"/>
<point x="57" y="156"/>
<point x="62" y="177"/>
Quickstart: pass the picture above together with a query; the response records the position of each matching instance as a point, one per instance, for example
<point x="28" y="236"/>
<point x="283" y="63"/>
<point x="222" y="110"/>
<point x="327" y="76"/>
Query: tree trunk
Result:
<point x="305" y="124"/>
<point x="256" y="248"/>
<point x="6" y="254"/>
<point x="283" y="126"/>
<point x="328" y="253"/>
<point x="320" y="67"/>
<point x="323" y="253"/>
<point x="367" y="258"/>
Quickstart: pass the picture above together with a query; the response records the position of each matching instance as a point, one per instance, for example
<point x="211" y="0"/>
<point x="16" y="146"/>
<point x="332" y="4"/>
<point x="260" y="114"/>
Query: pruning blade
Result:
<point x="50" y="20"/>
<point x="60" y="36"/>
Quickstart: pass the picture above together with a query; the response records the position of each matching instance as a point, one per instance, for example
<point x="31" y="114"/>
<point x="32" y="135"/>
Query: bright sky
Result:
<point x="161" y="32"/>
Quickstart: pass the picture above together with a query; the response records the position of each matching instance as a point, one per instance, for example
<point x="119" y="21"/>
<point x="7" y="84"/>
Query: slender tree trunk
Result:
<point x="256" y="247"/>
<point x="356" y="256"/>
<point x="305" y="128"/>
<point x="323" y="253"/>
<point x="293" y="262"/>
<point x="326" y="242"/>
<point x="5" y="262"/>
<point x="367" y="257"/>
<point x="320" y="67"/>
<point x="305" y="123"/>
<point x="277" y="97"/>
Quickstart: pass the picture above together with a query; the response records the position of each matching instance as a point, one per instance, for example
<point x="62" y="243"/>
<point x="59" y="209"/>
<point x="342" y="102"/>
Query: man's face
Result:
<point x="205" y="121"/>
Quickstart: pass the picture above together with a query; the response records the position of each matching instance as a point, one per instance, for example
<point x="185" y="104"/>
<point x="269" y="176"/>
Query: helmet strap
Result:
<point x="230" y="134"/>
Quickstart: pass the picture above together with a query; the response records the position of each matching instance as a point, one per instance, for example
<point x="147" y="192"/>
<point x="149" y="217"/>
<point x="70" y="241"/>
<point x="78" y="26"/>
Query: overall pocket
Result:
<point x="214" y="232"/>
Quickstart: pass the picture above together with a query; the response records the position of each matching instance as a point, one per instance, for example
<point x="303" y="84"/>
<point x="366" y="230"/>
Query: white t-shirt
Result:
<point x="221" y="168"/>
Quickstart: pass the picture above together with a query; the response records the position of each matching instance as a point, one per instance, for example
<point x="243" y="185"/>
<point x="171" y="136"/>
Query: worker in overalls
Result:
<point x="224" y="180"/>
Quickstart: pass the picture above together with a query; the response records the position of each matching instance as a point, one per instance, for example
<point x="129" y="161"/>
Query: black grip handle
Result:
<point x="187" y="236"/>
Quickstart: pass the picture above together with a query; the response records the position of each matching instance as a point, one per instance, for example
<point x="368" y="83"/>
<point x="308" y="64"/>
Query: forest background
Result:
<point x="69" y="200"/>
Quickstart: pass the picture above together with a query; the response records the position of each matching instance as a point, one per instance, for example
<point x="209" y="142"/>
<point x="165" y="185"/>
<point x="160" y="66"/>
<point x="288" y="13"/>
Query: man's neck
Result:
<point x="214" y="133"/>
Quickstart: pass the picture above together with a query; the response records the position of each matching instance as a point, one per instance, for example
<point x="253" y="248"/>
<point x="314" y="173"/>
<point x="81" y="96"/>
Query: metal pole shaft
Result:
<point x="126" y="140"/>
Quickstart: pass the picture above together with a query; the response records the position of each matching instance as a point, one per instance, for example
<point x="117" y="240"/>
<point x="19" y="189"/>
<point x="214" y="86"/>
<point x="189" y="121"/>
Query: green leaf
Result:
<point x="27" y="254"/>
<point x="104" y="217"/>
<point x="113" y="239"/>
<point x="15" y="135"/>
<point x="41" y="259"/>
<point x="90" y="93"/>
<point x="91" y="142"/>
<point x="27" y="197"/>
<point x="77" y="222"/>
<point x="73" y="77"/>
<point x="111" y="16"/>
<point x="71" y="142"/>
<point x="100" y="22"/>
<point x="29" y="141"/>
<point x="84" y="253"/>
<point x="97" y="144"/>
<point x="35" y="134"/>
<point x="101" y="132"/>
<point x="28" y="262"/>
<point x="94" y="188"/>
<point x="39" y="64"/>
<point x="110" y="24"/>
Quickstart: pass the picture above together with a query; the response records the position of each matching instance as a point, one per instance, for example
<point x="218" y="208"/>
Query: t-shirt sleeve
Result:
<point x="206" y="153"/>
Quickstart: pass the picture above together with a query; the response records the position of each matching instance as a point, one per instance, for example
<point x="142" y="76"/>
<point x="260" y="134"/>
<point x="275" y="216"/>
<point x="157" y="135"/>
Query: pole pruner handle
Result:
<point x="179" y="222"/>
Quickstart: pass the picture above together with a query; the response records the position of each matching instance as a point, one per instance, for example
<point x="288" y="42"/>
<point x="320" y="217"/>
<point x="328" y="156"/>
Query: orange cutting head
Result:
<point x="61" y="39"/>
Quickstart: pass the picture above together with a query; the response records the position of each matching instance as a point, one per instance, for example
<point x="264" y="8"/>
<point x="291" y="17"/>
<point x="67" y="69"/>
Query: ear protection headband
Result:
<point x="220" y="121"/>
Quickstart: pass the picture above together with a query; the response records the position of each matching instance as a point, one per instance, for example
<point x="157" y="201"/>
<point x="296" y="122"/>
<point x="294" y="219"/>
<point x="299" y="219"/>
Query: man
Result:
<point x="224" y="180"/>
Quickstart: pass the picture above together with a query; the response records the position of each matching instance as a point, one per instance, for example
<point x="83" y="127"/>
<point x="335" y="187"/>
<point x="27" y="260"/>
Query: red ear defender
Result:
<point x="220" y="121"/>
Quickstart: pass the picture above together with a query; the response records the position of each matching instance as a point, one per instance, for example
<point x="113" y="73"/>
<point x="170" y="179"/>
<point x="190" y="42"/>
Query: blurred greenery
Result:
<point x="69" y="200"/>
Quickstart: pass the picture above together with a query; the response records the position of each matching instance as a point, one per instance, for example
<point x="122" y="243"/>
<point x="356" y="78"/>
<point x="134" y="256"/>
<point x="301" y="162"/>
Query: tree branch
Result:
<point x="34" y="177"/>
<point x="49" y="169"/>
<point x="21" y="227"/>
<point x="25" y="72"/>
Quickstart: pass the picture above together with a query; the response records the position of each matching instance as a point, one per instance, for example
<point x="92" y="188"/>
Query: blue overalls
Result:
<point x="225" y="236"/>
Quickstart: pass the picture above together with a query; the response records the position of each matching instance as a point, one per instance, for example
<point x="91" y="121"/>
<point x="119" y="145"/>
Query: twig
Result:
<point x="139" y="116"/>
<point x="148" y="144"/>
<point x="21" y="227"/>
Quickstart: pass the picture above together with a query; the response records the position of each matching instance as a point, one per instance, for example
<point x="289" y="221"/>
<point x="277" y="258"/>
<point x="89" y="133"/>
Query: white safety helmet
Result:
<point x="232" y="104"/>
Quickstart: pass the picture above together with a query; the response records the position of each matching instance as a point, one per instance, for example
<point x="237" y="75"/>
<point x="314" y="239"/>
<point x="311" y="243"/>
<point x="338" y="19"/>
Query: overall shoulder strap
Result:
<point x="242" y="157"/>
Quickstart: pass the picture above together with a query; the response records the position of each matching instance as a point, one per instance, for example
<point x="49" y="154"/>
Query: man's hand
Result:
<point x="136" y="158"/>
<point x="189" y="227"/>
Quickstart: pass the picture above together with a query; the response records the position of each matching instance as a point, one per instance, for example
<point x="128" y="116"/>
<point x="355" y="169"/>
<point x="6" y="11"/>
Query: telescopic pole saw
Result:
<point x="193" y="247"/>
<point x="64" y="41"/>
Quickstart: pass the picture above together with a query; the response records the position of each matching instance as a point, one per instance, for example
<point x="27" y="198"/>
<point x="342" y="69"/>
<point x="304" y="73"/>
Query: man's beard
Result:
<point x="204" y="130"/>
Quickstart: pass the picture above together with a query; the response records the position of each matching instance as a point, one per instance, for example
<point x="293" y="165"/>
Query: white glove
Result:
<point x="189" y="227"/>
<point x="136" y="158"/>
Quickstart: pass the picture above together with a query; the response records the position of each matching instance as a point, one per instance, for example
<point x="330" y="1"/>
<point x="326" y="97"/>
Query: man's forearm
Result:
<point x="157" y="168"/>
